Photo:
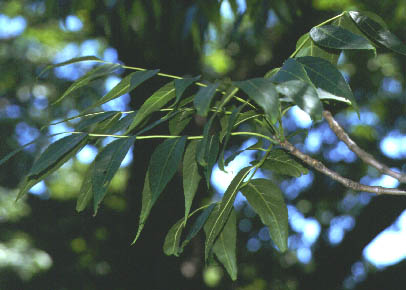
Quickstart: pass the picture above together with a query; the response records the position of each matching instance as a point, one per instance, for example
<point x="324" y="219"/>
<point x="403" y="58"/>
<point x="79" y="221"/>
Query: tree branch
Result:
<point x="334" y="175"/>
<point x="363" y="155"/>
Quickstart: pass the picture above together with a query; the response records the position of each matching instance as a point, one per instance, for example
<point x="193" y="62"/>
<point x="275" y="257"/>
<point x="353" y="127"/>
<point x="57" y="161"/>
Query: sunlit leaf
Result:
<point x="221" y="216"/>
<point x="304" y="95"/>
<point x="267" y="200"/>
<point x="225" y="246"/>
<point x="172" y="239"/>
<point x="332" y="36"/>
<point x="191" y="176"/>
<point x="263" y="92"/>
<point x="126" y="85"/>
<point x="106" y="164"/>
<point x="377" y="32"/>
<point x="164" y="164"/>
<point x="155" y="102"/>
<point x="280" y="162"/>
<point x="307" y="47"/>
<point x="94" y="119"/>
<point x="203" y="99"/>
<point x="93" y="74"/>
<point x="327" y="77"/>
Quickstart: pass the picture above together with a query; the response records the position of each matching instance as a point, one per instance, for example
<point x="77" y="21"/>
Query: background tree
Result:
<point x="187" y="38"/>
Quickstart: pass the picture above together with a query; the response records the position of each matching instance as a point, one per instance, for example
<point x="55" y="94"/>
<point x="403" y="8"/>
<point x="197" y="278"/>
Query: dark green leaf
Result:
<point x="272" y="72"/>
<point x="172" y="239"/>
<point x="106" y="164"/>
<point x="203" y="99"/>
<point x="93" y="74"/>
<point x="73" y="60"/>
<point x="146" y="207"/>
<point x="105" y="126"/>
<point x="212" y="150"/>
<point x="182" y="84"/>
<point x="225" y="246"/>
<point x="191" y="177"/>
<point x="122" y="124"/>
<point x="55" y="152"/>
<point x="291" y="70"/>
<point x="263" y="92"/>
<point x="304" y="95"/>
<point x="377" y="32"/>
<point x="243" y="117"/>
<point x="280" y="162"/>
<point x="267" y="200"/>
<point x="164" y="164"/>
<point x="179" y="122"/>
<point x="93" y="119"/>
<point x="221" y="216"/>
<point x="326" y="76"/>
<point x="85" y="193"/>
<point x="159" y="99"/>
<point x="307" y="47"/>
<point x="126" y="85"/>
<point x="232" y="156"/>
<point x="198" y="224"/>
<point x="52" y="165"/>
<point x="332" y="36"/>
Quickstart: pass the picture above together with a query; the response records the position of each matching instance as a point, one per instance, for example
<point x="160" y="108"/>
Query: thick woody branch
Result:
<point x="334" y="175"/>
<point x="363" y="155"/>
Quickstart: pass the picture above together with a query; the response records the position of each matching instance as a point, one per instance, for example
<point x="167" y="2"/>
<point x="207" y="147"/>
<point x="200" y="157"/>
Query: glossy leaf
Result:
<point x="307" y="47"/>
<point x="221" y="216"/>
<point x="52" y="165"/>
<point x="225" y="246"/>
<point x="126" y="85"/>
<point x="94" y="119"/>
<point x="263" y="92"/>
<point x="85" y="192"/>
<point x="332" y="36"/>
<point x="198" y="224"/>
<point x="203" y="99"/>
<point x="55" y="152"/>
<point x="291" y="70"/>
<point x="164" y="164"/>
<point x="159" y="99"/>
<point x="267" y="200"/>
<point x="172" y="239"/>
<point x="73" y="60"/>
<point x="280" y="162"/>
<point x="191" y="176"/>
<point x="93" y="74"/>
<point x="181" y="85"/>
<point x="106" y="164"/>
<point x="377" y="32"/>
<point x="326" y="76"/>
<point x="304" y="95"/>
<point x="179" y="122"/>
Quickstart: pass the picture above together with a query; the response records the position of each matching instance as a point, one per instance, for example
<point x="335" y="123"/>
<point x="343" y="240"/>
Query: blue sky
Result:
<point x="386" y="249"/>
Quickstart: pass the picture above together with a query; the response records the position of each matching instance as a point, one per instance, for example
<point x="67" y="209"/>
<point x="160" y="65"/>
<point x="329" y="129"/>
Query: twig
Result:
<point x="337" y="177"/>
<point x="363" y="155"/>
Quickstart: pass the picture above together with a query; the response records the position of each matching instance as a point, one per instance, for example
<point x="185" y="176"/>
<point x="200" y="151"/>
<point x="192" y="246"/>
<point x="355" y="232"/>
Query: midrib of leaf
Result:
<point x="111" y="163"/>
<point x="226" y="205"/>
<point x="166" y="162"/>
<point x="328" y="80"/>
<point x="176" y="235"/>
<point x="266" y="204"/>
<point x="288" y="162"/>
<point x="331" y="35"/>
<point x="161" y="96"/>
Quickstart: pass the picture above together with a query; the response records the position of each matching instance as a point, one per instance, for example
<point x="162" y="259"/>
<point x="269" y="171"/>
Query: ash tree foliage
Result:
<point x="309" y="79"/>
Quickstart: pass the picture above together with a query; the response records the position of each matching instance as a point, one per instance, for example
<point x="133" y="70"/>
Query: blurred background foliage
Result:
<point x="339" y="239"/>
